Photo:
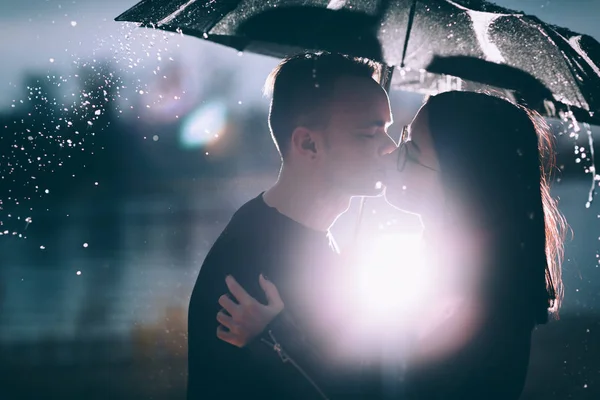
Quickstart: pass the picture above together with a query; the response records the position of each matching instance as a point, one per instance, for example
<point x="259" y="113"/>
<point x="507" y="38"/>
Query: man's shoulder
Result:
<point x="240" y="236"/>
<point x="243" y="225"/>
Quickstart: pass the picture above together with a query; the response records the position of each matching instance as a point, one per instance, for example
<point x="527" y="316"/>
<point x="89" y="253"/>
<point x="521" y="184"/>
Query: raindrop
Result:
<point x="42" y="247"/>
<point x="73" y="23"/>
<point x="85" y="245"/>
<point x="155" y="138"/>
<point x="97" y="112"/>
<point x="593" y="162"/>
<point x="78" y="272"/>
<point x="52" y="60"/>
<point x="46" y="191"/>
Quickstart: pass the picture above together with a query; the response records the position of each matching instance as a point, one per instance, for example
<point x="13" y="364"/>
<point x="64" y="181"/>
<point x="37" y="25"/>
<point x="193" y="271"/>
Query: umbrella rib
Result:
<point x="580" y="98"/>
<point x="174" y="14"/>
<point x="411" y="17"/>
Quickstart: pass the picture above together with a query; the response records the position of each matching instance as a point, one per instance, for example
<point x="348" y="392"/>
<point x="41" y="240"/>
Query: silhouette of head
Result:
<point x="329" y="117"/>
<point x="487" y="162"/>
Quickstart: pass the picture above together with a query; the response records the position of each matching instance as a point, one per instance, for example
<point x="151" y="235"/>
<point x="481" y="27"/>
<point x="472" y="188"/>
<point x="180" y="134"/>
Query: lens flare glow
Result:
<point x="204" y="125"/>
<point x="392" y="278"/>
<point x="391" y="282"/>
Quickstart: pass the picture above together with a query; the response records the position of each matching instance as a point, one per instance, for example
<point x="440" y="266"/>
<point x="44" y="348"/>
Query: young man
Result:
<point x="328" y="119"/>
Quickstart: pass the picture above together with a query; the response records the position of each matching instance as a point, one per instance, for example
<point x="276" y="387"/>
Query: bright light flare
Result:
<point x="398" y="293"/>
<point x="393" y="279"/>
<point x="390" y="282"/>
<point x="204" y="125"/>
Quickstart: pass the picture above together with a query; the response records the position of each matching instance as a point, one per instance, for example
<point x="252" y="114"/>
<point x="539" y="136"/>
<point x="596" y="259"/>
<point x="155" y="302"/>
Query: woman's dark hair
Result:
<point x="497" y="158"/>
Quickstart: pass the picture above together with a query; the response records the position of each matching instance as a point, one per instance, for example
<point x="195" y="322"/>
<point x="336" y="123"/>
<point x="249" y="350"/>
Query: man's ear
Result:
<point x="304" y="142"/>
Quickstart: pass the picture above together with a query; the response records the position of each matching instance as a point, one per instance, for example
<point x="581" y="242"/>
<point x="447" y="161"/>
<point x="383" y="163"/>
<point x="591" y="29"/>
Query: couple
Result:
<point x="472" y="165"/>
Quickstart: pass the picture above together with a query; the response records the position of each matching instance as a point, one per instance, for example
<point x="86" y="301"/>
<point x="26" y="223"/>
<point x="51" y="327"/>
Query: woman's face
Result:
<point x="413" y="184"/>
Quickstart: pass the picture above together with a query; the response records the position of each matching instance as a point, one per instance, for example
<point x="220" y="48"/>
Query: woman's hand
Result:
<point x="247" y="318"/>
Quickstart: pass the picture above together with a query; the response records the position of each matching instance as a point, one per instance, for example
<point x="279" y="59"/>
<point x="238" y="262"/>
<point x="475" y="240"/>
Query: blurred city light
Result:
<point x="204" y="125"/>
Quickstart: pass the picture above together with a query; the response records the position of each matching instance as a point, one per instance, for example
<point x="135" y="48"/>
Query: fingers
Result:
<point x="273" y="298"/>
<point x="229" y="305"/>
<point x="227" y="336"/>
<point x="238" y="291"/>
<point x="227" y="321"/>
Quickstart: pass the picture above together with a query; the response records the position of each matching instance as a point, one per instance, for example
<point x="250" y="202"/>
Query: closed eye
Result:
<point x="367" y="133"/>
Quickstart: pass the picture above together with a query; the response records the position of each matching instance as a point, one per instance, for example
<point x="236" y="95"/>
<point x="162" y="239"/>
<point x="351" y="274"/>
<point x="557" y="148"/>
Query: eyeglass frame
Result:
<point x="403" y="150"/>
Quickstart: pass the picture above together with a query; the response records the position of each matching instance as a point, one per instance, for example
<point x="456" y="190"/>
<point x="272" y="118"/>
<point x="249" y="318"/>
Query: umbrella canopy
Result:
<point x="434" y="45"/>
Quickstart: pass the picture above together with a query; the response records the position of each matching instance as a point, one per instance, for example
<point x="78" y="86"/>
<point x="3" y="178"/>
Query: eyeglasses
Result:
<point x="403" y="154"/>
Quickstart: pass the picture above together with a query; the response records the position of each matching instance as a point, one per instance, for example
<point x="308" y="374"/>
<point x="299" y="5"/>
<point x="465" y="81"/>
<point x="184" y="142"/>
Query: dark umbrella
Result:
<point x="435" y="45"/>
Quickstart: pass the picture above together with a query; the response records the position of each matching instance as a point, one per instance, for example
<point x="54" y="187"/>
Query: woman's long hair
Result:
<point x="497" y="159"/>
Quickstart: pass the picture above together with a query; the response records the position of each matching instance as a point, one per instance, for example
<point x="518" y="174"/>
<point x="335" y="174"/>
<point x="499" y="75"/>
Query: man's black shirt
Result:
<point x="258" y="239"/>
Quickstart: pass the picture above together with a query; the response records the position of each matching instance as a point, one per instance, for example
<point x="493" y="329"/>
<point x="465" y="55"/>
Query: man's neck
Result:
<point x="306" y="202"/>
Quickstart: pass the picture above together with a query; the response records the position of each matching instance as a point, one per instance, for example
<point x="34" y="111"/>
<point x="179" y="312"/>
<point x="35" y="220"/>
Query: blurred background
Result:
<point x="123" y="154"/>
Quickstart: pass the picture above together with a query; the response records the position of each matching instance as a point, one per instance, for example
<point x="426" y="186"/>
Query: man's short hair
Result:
<point x="302" y="85"/>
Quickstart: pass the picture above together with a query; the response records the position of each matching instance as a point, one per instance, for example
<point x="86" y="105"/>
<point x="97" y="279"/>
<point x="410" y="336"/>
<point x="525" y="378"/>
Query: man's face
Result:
<point x="356" y="137"/>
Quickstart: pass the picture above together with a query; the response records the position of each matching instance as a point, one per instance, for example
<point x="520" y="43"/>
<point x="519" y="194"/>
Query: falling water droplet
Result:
<point x="588" y="129"/>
